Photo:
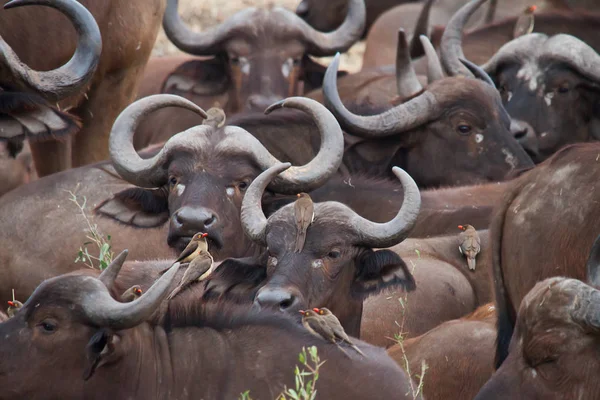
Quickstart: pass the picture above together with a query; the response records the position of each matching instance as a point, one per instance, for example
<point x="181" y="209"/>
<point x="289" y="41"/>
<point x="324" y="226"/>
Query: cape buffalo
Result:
<point x="92" y="99"/>
<point x="198" y="179"/>
<point x="548" y="84"/>
<point x="544" y="227"/>
<point x="553" y="353"/>
<point x="337" y="266"/>
<point x="73" y="327"/>
<point x="456" y="131"/>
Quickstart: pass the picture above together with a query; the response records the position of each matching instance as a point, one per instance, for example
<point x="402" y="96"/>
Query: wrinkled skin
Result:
<point x="459" y="355"/>
<point x="553" y="208"/>
<point x="54" y="336"/>
<point x="445" y="289"/>
<point x="32" y="31"/>
<point x="554" y="351"/>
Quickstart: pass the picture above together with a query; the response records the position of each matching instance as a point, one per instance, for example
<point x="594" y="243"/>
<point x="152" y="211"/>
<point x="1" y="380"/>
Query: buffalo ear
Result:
<point x="198" y="78"/>
<point x="314" y="74"/>
<point x="237" y="277"/>
<point x="99" y="351"/>
<point x="378" y="270"/>
<point x="141" y="208"/>
<point x="593" y="264"/>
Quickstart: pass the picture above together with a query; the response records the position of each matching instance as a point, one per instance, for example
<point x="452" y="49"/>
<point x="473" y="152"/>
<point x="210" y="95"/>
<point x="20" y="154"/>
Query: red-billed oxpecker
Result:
<point x="525" y="22"/>
<point x="304" y="211"/>
<point x="131" y="294"/>
<point x="469" y="244"/>
<point x="322" y="323"/>
<point x="13" y="307"/>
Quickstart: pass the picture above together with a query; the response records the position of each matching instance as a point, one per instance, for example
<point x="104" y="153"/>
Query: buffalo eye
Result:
<point x="242" y="185"/>
<point x="334" y="254"/>
<point x="564" y="88"/>
<point x="173" y="181"/>
<point x="464" y="129"/>
<point x="234" y="60"/>
<point x="48" y="326"/>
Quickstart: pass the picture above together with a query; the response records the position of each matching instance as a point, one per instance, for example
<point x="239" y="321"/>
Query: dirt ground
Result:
<point x="203" y="14"/>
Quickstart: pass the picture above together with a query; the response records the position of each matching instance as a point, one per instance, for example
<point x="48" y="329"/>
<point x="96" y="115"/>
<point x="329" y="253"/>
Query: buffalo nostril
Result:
<point x="520" y="134"/>
<point x="287" y="303"/>
<point x="210" y="221"/>
<point x="276" y="298"/>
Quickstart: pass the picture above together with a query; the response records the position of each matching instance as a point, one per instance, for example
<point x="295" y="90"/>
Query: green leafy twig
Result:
<point x="305" y="381"/>
<point x="105" y="254"/>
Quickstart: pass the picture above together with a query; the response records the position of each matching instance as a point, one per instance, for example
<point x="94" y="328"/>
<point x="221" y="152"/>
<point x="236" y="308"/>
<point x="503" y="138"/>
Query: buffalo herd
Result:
<point x="482" y="113"/>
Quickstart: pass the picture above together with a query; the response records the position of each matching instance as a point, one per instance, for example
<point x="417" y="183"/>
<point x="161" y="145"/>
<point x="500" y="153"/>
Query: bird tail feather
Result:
<point x="300" y="238"/>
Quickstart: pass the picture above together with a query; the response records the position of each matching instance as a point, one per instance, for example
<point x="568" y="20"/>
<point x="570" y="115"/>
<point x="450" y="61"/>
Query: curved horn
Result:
<point x="451" y="46"/>
<point x="71" y="77"/>
<point x="253" y="219"/>
<point x="517" y="50"/>
<point x="407" y="82"/>
<point x="103" y="310"/>
<point x="417" y="49"/>
<point x="478" y="72"/>
<point x="399" y="119"/>
<point x="373" y="234"/>
<point x="109" y="275"/>
<point x="593" y="264"/>
<point x="199" y="43"/>
<point x="434" y="67"/>
<point x="323" y="165"/>
<point x="146" y="172"/>
<point x="573" y="52"/>
<point x="325" y="44"/>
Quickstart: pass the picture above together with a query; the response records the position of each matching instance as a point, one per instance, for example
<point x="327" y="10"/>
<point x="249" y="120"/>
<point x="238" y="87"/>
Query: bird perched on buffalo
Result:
<point x="525" y="22"/>
<point x="198" y="270"/>
<point x="197" y="245"/>
<point x="469" y="244"/>
<point x="131" y="294"/>
<point x="13" y="307"/>
<point x="304" y="211"/>
<point x="322" y="323"/>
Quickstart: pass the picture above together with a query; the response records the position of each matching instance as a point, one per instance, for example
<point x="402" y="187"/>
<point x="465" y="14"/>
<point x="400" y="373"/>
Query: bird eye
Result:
<point x="464" y="129"/>
<point x="48" y="327"/>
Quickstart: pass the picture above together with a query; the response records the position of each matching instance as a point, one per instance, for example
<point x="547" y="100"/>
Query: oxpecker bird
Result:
<point x="198" y="270"/>
<point x="304" y="211"/>
<point x="326" y="328"/>
<point x="469" y="244"/>
<point x="131" y="294"/>
<point x="525" y="22"/>
<point x="197" y="245"/>
<point x="13" y="307"/>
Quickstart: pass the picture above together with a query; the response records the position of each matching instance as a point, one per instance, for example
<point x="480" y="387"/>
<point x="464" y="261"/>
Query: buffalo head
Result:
<point x="265" y="52"/>
<point x="337" y="266"/>
<point x="550" y="86"/>
<point x="553" y="352"/>
<point x="26" y="95"/>
<point x="75" y="312"/>
<point x="455" y="131"/>
<point x="199" y="178"/>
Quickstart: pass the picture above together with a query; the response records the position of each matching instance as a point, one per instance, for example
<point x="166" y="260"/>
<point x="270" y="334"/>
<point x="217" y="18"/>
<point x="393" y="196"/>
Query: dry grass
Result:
<point x="203" y="14"/>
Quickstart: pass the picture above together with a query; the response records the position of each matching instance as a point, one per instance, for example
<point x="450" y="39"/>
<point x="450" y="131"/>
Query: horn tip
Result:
<point x="14" y="3"/>
<point x="275" y="106"/>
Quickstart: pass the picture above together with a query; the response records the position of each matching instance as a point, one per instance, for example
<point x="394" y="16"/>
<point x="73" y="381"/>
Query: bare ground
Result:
<point x="203" y="14"/>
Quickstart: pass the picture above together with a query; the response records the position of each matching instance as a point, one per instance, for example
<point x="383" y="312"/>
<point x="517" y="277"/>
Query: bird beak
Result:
<point x="204" y="235"/>
<point x="298" y="195"/>
<point x="316" y="310"/>
<point x="460" y="227"/>
<point x="301" y="312"/>
<point x="10" y="303"/>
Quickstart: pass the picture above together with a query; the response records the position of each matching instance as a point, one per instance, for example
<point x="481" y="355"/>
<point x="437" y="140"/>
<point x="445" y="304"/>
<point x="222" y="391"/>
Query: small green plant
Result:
<point x="305" y="380"/>
<point x="105" y="254"/>
<point x="245" y="395"/>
